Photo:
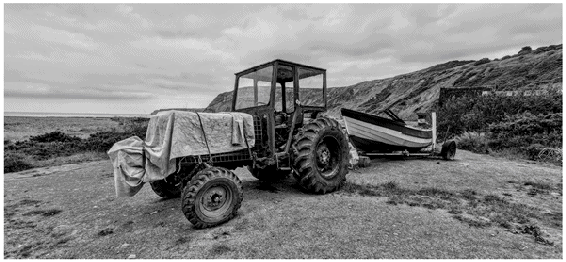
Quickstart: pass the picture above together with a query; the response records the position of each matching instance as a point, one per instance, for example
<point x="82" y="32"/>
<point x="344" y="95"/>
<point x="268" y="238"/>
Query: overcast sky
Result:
<point x="135" y="58"/>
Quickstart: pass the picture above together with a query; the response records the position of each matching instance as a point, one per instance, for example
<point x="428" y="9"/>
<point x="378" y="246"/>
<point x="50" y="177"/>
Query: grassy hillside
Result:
<point x="418" y="91"/>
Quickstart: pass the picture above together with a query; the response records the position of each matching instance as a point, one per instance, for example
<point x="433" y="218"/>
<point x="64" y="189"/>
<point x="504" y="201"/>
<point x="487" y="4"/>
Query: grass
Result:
<point x="466" y="206"/>
<point x="18" y="128"/>
<point x="45" y="213"/>
<point x="472" y="141"/>
<point x="479" y="143"/>
<point x="57" y="147"/>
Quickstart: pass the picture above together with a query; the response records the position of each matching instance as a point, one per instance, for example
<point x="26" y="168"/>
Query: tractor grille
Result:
<point x="258" y="130"/>
<point x="241" y="155"/>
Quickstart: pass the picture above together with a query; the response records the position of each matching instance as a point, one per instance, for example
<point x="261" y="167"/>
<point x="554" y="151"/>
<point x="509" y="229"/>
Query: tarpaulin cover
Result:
<point x="171" y="135"/>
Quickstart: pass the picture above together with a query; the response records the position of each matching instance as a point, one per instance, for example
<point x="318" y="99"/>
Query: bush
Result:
<point x="534" y="150"/>
<point x="14" y="162"/>
<point x="482" y="61"/>
<point x="472" y="141"/>
<point x="476" y="113"/>
<point x="103" y="141"/>
<point x="524" y="130"/>
<point x="43" y="151"/>
<point x="54" y="137"/>
<point x="56" y="144"/>
<point x="525" y="50"/>
<point x="505" y="57"/>
<point x="134" y="125"/>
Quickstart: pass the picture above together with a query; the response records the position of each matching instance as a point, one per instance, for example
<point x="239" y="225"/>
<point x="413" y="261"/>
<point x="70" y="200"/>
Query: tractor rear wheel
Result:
<point x="320" y="156"/>
<point x="165" y="189"/>
<point x="448" y="150"/>
<point x="213" y="197"/>
<point x="268" y="174"/>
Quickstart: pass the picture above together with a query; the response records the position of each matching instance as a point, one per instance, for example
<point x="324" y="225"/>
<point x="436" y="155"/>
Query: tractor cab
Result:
<point x="281" y="94"/>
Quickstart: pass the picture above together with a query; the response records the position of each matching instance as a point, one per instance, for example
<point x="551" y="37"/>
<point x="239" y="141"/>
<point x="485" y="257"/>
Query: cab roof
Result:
<point x="279" y="61"/>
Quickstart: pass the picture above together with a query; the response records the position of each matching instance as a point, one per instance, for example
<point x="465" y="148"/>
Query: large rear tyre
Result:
<point x="165" y="189"/>
<point x="320" y="156"/>
<point x="213" y="197"/>
<point x="268" y="174"/>
<point x="448" y="150"/>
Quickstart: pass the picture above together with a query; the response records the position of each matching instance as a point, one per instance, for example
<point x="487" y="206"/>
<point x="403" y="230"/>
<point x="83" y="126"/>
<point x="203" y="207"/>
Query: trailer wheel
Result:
<point x="268" y="174"/>
<point x="320" y="156"/>
<point x="448" y="150"/>
<point x="166" y="190"/>
<point x="213" y="197"/>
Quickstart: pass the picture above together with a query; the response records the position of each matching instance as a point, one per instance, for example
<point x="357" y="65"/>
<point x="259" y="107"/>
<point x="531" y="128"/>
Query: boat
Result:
<point x="372" y="133"/>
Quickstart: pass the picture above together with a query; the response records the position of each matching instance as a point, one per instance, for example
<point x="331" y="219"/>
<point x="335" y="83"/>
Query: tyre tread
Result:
<point x="199" y="180"/>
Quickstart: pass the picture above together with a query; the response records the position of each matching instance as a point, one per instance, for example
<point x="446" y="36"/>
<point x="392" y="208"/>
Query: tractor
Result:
<point x="286" y="100"/>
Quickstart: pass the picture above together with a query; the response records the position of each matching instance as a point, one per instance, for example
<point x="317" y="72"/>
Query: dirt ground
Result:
<point x="70" y="211"/>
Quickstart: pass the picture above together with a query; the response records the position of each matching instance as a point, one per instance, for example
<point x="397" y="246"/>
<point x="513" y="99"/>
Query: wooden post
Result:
<point x="433" y="131"/>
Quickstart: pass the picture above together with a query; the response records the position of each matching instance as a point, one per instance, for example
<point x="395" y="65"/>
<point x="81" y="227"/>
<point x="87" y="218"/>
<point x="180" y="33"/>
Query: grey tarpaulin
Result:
<point x="171" y="135"/>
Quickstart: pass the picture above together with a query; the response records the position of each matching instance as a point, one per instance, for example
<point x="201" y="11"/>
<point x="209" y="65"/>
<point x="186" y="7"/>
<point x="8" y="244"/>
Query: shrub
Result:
<point x="534" y="150"/>
<point x="134" y="125"/>
<point x="524" y="130"/>
<point x="43" y="151"/>
<point x="505" y="57"/>
<point x="542" y="49"/>
<point x="525" y="50"/>
<point x="472" y="141"/>
<point x="476" y="113"/>
<point x="14" y="162"/>
<point x="103" y="141"/>
<point x="482" y="61"/>
<point x="54" y="137"/>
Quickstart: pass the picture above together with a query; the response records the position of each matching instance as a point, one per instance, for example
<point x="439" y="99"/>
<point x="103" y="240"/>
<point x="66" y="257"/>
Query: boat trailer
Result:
<point x="446" y="150"/>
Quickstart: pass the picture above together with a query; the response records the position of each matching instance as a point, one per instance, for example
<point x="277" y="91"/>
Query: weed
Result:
<point x="63" y="241"/>
<point x="219" y="250"/>
<point x="466" y="206"/>
<point x="469" y="194"/>
<point x="105" y="232"/>
<point x="181" y="240"/>
<point x="472" y="221"/>
<point x="539" y="185"/>
<point x="29" y="202"/>
<point x="45" y="213"/>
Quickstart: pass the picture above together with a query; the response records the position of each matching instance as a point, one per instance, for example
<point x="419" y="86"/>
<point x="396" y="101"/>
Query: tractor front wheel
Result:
<point x="213" y="197"/>
<point x="320" y="156"/>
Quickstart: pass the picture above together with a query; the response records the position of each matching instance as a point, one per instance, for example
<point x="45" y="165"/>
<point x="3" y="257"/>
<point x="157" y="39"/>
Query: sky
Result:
<point x="136" y="58"/>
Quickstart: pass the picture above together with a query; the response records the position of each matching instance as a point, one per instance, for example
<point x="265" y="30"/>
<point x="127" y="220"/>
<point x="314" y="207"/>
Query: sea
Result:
<point x="38" y="114"/>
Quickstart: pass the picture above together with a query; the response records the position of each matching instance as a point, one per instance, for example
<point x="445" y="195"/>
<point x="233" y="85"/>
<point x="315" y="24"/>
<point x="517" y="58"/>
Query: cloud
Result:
<point x="159" y="52"/>
<point x="46" y="91"/>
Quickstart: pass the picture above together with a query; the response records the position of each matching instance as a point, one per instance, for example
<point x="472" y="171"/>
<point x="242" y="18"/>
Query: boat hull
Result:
<point x="377" y="134"/>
